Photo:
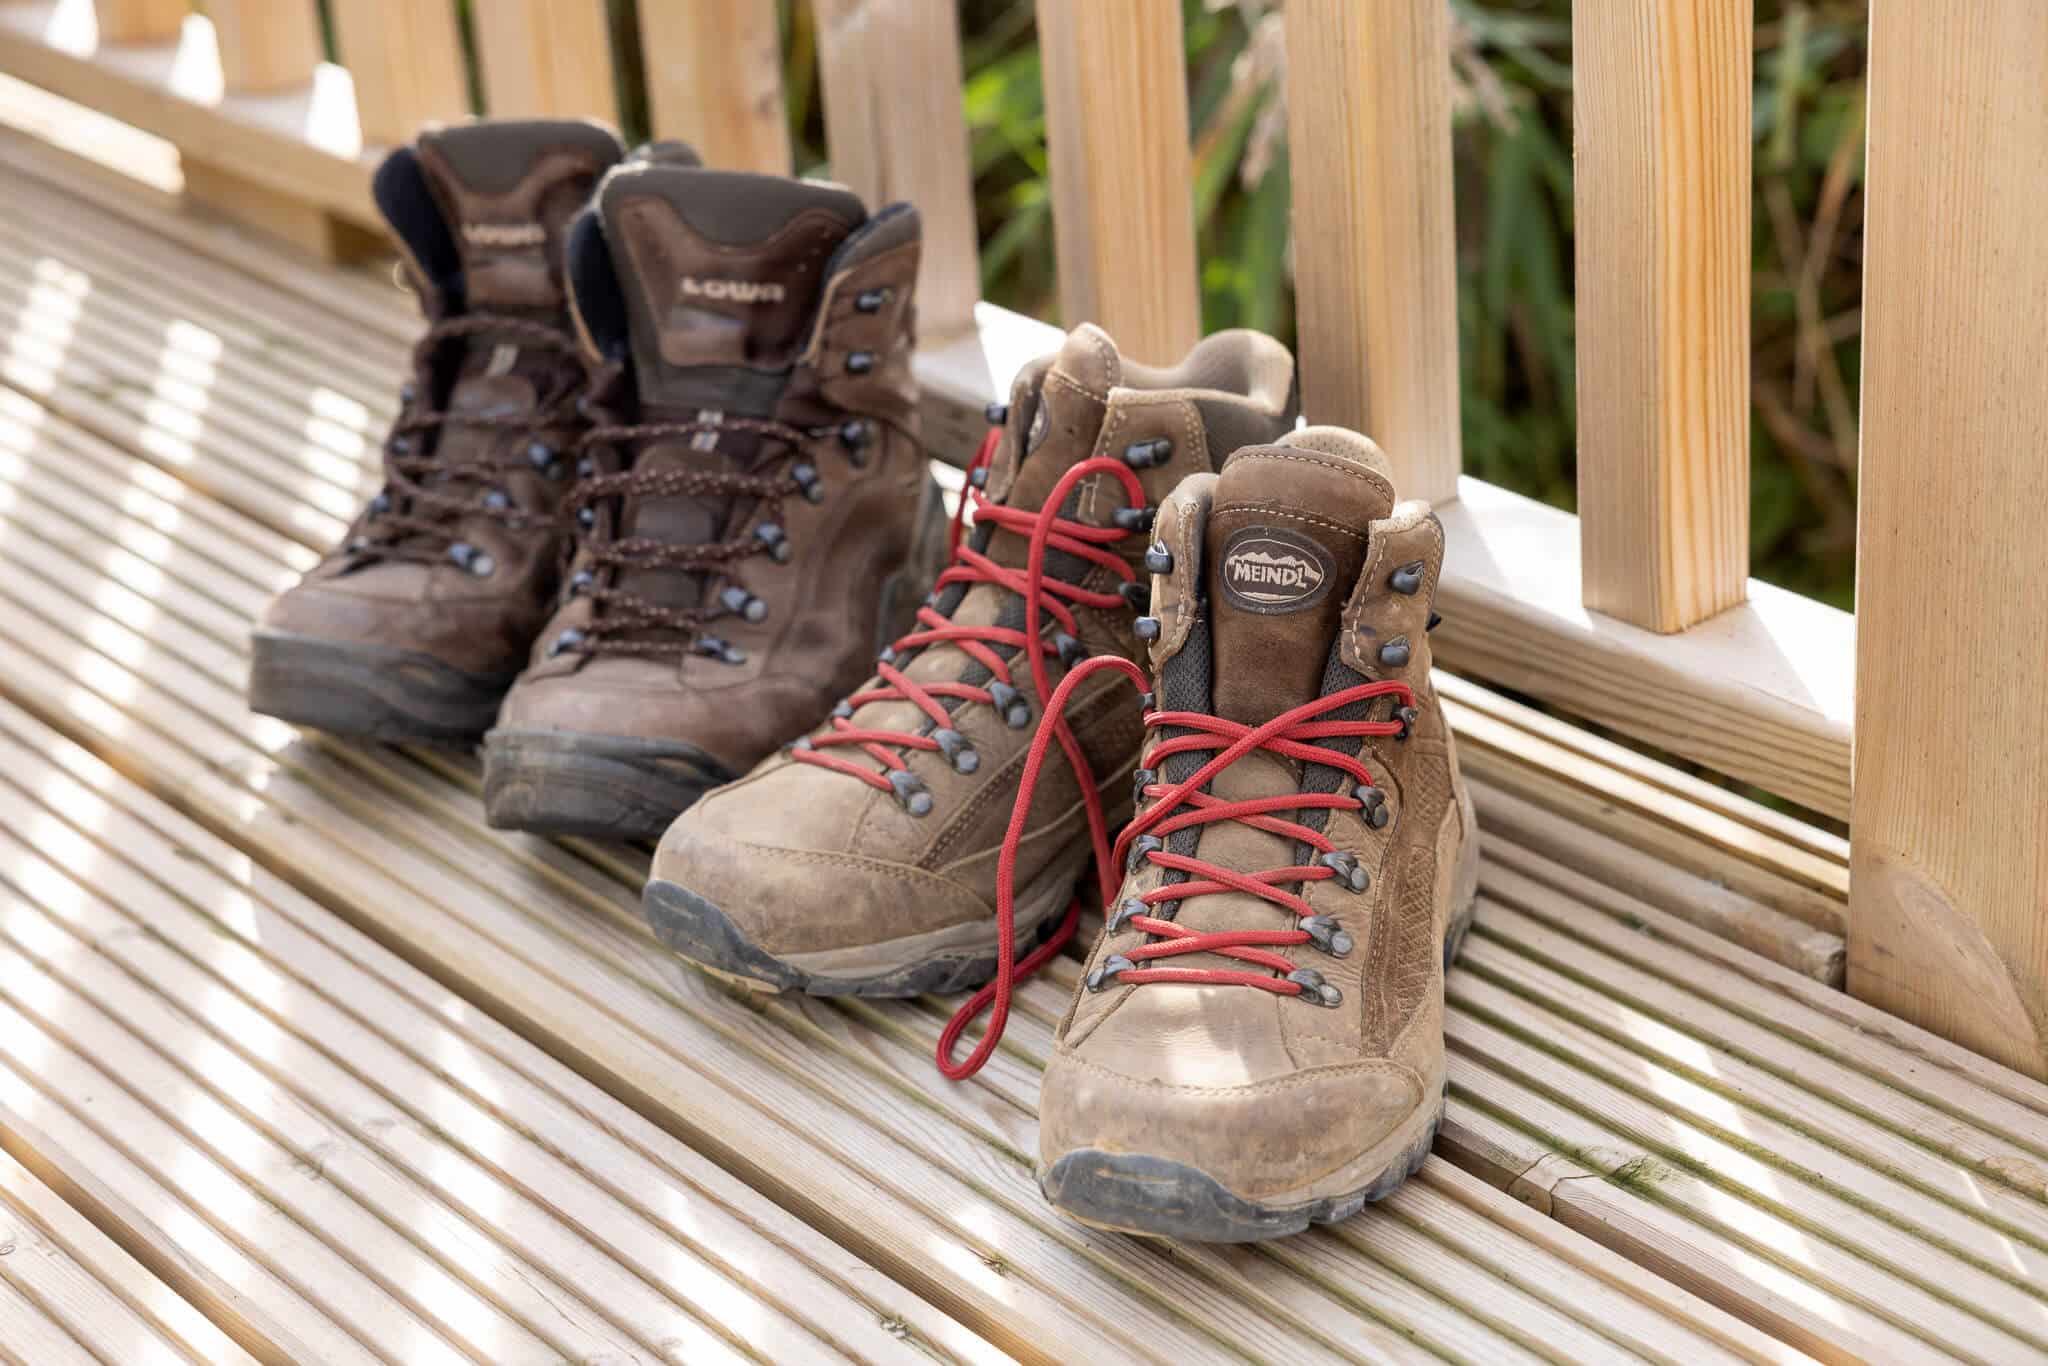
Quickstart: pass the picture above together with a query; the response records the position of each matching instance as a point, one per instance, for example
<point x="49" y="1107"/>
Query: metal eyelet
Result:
<point x="1158" y="558"/>
<point x="1146" y="628"/>
<point x="1145" y="455"/>
<point x="871" y="300"/>
<point x="958" y="752"/>
<point x="859" y="362"/>
<point x="1145" y="844"/>
<point x="544" y="458"/>
<point x="1016" y="712"/>
<point x="1375" y="807"/>
<point x="1140" y="780"/>
<point x="741" y="603"/>
<point x="1121" y="916"/>
<point x="997" y="412"/>
<point x="497" y="500"/>
<point x="807" y="482"/>
<point x="1326" y="934"/>
<point x="380" y="505"/>
<point x="579" y="583"/>
<point x="1136" y="596"/>
<point x="1407" y="716"/>
<point x="475" y="561"/>
<point x="407" y="392"/>
<point x="1135" y="519"/>
<point x="585" y="467"/>
<point x="773" y="537"/>
<point x="842" y="711"/>
<point x="1407" y="579"/>
<point x="402" y="444"/>
<point x="1347" y="868"/>
<point x="911" y="793"/>
<point x="569" y="639"/>
<point x="586" y="518"/>
<point x="854" y="434"/>
<point x="1394" y="654"/>
<point x="720" y="649"/>
<point x="1314" y="989"/>
<point x="1100" y="977"/>
<point x="1070" y="650"/>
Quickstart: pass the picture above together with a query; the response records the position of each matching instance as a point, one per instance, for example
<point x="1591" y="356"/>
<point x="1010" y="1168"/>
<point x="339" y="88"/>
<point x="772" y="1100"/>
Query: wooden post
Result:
<point x="892" y="82"/>
<point x="1949" y="837"/>
<point x="714" y="79"/>
<point x="547" y="59"/>
<point x="1661" y="124"/>
<point x="1376" y="284"/>
<point x="265" y="45"/>
<point x="1116" y="113"/>
<point x="139" y="21"/>
<point x="406" y="59"/>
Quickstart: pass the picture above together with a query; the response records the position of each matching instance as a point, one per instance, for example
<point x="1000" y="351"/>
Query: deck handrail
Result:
<point x="1639" y="613"/>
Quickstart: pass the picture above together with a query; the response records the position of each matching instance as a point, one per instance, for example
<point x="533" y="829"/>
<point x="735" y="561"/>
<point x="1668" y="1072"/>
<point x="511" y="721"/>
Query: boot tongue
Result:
<point x="1285" y="542"/>
<point x="506" y="192"/>
<point x="1061" y="417"/>
<point x="721" y="273"/>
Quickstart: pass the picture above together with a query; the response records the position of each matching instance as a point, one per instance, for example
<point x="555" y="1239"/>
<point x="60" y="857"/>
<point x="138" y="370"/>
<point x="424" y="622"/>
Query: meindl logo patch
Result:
<point x="504" y="234"/>
<point x="734" y="291"/>
<point x="1269" y="569"/>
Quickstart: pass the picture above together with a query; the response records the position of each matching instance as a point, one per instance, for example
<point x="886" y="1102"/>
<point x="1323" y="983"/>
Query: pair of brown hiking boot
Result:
<point x="654" y="494"/>
<point x="1256" y="1042"/>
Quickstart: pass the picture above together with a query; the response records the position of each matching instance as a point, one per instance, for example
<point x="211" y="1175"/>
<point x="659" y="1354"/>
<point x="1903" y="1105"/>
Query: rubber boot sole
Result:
<point x="370" y="692"/>
<point x="555" y="782"/>
<point x="915" y="966"/>
<point x="1165" y="1198"/>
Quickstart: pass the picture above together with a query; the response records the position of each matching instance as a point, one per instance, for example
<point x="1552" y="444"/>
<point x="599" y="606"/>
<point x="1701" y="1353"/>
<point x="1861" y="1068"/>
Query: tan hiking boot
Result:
<point x="864" y="860"/>
<point x="414" y="627"/>
<point x="749" y="506"/>
<point x="1258" y="1041"/>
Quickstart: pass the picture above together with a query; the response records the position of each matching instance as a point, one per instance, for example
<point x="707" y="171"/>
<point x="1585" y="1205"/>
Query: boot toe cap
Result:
<point x="1295" y="1139"/>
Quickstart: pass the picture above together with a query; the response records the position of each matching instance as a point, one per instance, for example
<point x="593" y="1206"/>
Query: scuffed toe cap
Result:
<point x="1282" y="1138"/>
<point x="771" y="853"/>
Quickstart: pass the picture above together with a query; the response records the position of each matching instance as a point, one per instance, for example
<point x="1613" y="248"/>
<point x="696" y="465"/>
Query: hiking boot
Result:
<point x="1257" y="1043"/>
<point x="416" y="624"/>
<point x="864" y="860"/>
<point x="749" y="504"/>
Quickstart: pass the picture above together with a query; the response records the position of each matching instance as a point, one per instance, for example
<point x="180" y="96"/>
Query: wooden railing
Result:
<point x="1639" y="613"/>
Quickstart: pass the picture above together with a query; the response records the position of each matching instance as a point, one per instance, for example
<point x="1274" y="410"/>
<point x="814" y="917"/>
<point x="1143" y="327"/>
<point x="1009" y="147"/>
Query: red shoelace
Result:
<point x="1179" y="806"/>
<point x="1047" y="531"/>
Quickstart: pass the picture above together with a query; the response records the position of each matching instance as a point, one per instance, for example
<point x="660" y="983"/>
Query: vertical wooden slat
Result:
<point x="892" y="82"/>
<point x="1949" y="862"/>
<point x="1376" y="297"/>
<point x="714" y="79"/>
<point x="265" y="44"/>
<point x="547" y="58"/>
<point x="1116" y="110"/>
<point x="1661" y="130"/>
<point x="406" y="59"/>
<point x="139" y="21"/>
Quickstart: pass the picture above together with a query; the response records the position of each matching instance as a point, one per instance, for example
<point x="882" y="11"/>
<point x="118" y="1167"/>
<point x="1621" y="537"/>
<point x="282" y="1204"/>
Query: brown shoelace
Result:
<point x="426" y="497"/>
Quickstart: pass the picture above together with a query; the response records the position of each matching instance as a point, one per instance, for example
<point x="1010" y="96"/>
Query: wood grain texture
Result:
<point x="1949" y="906"/>
<point x="895" y="131"/>
<point x="139" y="21"/>
<point x="547" y="59"/>
<point x="1116" y="116"/>
<point x="406" y="58"/>
<point x="714" y="79"/>
<point x="1661" y="136"/>
<point x="1376" y="288"/>
<point x="265" y="44"/>
<point x="309" y="148"/>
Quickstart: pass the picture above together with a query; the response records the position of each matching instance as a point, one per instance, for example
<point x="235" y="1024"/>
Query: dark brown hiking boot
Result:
<point x="1257" y="1044"/>
<point x="749" y="504"/>
<point x="864" y="860"/>
<point x="414" y="627"/>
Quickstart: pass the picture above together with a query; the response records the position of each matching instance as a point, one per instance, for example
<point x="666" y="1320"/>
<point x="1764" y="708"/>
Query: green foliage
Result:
<point x="1512" y="140"/>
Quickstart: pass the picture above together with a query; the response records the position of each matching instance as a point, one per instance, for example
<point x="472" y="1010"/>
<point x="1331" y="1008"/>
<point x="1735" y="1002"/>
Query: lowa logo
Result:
<point x="504" y="234"/>
<point x="734" y="291"/>
<point x="1267" y="569"/>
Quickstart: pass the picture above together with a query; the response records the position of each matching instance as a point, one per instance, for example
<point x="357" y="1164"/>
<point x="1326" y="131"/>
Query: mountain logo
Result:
<point x="1270" y="570"/>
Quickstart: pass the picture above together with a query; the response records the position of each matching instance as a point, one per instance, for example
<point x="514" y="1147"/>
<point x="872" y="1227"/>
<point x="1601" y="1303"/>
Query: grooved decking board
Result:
<point x="68" y="1293"/>
<point x="1730" y="1127"/>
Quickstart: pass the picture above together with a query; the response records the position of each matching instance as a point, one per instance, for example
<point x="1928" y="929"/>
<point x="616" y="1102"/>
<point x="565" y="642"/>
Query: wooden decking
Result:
<point x="298" y="1059"/>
